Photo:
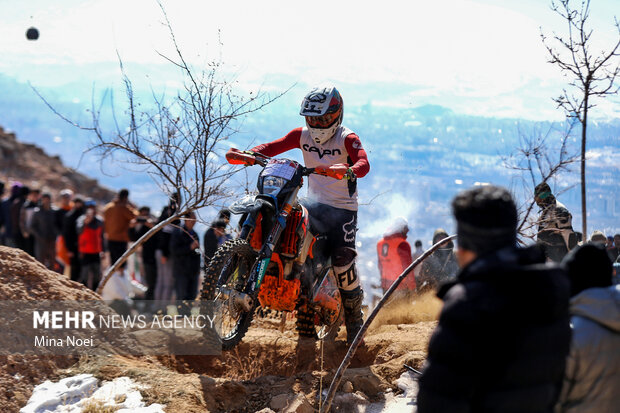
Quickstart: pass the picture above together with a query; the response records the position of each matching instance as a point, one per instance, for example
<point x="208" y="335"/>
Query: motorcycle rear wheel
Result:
<point x="230" y="268"/>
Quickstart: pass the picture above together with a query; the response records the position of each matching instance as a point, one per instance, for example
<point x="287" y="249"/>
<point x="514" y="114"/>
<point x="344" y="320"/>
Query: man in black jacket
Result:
<point x="184" y="249"/>
<point x="504" y="333"/>
<point x="137" y="228"/>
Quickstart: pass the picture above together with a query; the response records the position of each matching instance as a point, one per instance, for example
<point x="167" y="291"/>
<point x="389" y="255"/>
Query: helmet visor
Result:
<point x="323" y="121"/>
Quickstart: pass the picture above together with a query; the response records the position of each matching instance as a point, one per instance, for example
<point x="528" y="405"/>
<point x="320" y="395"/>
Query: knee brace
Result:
<point x="345" y="269"/>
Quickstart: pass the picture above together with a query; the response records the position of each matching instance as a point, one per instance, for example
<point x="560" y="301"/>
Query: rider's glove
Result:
<point x="350" y="175"/>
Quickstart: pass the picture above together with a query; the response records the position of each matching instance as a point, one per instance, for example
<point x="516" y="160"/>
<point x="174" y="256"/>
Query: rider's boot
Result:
<point x="305" y="321"/>
<point x="353" y="316"/>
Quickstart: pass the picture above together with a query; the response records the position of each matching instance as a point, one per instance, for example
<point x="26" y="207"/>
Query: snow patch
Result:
<point x="72" y="394"/>
<point x="405" y="402"/>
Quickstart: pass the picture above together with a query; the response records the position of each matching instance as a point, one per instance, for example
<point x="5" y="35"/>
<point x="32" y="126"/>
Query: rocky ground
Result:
<point x="30" y="165"/>
<point x="268" y="370"/>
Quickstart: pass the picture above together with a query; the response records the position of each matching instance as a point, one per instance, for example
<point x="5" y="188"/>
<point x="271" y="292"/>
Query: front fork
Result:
<point x="264" y="255"/>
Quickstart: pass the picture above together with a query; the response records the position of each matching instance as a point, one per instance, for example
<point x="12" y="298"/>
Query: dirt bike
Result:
<point x="276" y="262"/>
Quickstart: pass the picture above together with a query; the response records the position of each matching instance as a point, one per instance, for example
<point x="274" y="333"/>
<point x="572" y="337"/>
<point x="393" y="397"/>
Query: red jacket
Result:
<point x="90" y="240"/>
<point x="394" y="254"/>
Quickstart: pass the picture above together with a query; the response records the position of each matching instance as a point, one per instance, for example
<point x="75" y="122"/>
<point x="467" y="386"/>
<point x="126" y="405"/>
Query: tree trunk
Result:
<point x="584" y="211"/>
<point x="132" y="249"/>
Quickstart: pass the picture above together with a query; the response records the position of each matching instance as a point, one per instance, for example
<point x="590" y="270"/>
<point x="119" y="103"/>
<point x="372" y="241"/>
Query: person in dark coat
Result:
<point x="25" y="219"/>
<point x="6" y="233"/>
<point x="45" y="231"/>
<point x="70" y="236"/>
<point x="185" y="254"/>
<point x="440" y="267"/>
<point x="592" y="375"/>
<point x="504" y="332"/>
<point x="164" y="289"/>
<point x="137" y="228"/>
<point x="214" y="237"/>
<point x="555" y="224"/>
<point x="15" y="214"/>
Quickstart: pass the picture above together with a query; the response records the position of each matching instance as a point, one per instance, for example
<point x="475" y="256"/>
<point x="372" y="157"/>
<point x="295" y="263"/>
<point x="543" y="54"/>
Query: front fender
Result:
<point x="249" y="204"/>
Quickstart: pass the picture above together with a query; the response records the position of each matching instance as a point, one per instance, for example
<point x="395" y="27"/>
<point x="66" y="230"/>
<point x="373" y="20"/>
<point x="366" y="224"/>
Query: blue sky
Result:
<point x="480" y="57"/>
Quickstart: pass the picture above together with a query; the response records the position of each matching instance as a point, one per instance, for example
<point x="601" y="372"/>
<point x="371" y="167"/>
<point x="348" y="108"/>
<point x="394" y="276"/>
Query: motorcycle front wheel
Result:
<point x="224" y="282"/>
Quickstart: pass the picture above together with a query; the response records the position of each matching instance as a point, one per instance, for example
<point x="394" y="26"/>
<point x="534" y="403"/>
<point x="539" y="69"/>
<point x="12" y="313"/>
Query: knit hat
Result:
<point x="588" y="266"/>
<point x="486" y="219"/>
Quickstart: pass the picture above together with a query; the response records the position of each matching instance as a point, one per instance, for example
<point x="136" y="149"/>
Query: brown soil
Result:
<point x="269" y="362"/>
<point x="30" y="165"/>
<point x="23" y="278"/>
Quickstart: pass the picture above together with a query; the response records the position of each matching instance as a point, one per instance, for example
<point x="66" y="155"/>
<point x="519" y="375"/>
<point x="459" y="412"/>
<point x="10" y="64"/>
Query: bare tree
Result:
<point x="593" y="74"/>
<point x="177" y="140"/>
<point x="539" y="160"/>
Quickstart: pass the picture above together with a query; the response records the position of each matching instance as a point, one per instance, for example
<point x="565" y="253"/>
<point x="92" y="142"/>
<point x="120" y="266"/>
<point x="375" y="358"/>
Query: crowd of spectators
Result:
<point x="528" y="329"/>
<point x="80" y="238"/>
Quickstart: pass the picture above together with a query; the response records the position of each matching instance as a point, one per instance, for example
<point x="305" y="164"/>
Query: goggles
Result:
<point x="323" y="121"/>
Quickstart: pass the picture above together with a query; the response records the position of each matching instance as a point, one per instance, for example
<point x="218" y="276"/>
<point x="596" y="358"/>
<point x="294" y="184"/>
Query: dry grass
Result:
<point x="408" y="309"/>
<point x="247" y="367"/>
<point x="97" y="406"/>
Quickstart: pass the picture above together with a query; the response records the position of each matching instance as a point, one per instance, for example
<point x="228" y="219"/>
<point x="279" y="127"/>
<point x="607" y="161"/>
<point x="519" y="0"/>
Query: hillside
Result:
<point x="30" y="165"/>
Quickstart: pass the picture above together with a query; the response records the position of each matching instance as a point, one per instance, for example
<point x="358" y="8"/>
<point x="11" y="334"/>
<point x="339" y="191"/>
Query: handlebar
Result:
<point x="249" y="158"/>
<point x="236" y="157"/>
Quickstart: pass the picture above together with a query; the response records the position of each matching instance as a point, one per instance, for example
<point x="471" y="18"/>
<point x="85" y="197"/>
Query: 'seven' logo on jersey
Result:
<point x="321" y="153"/>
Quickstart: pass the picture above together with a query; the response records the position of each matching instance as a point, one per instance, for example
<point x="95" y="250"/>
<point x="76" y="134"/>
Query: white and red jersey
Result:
<point x="345" y="148"/>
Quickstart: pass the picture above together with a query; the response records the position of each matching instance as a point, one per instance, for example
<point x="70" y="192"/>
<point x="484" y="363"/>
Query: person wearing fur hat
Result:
<point x="555" y="228"/>
<point x="592" y="376"/>
<point x="503" y="333"/>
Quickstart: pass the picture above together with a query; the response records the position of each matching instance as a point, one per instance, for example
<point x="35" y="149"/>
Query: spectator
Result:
<point x="214" y="237"/>
<point x="5" y="212"/>
<point x="440" y="267"/>
<point x="224" y="214"/>
<point x="15" y="216"/>
<point x="25" y="219"/>
<point x="45" y="231"/>
<point x="138" y="227"/>
<point x="116" y="218"/>
<point x="164" y="289"/>
<point x="599" y="238"/>
<point x="394" y="255"/>
<point x="592" y="375"/>
<point x="504" y="332"/>
<point x="184" y="245"/>
<point x="89" y="230"/>
<point x="65" y="203"/>
<point x="416" y="254"/>
<point x="555" y="228"/>
<point x="70" y="236"/>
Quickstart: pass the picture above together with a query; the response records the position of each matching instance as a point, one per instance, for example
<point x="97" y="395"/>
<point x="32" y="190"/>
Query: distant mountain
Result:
<point x="420" y="157"/>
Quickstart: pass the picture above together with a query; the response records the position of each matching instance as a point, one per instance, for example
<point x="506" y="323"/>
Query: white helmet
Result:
<point x="398" y="226"/>
<point x="322" y="107"/>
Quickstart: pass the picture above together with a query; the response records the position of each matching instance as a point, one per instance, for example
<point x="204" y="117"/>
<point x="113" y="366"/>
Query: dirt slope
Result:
<point x="23" y="278"/>
<point x="269" y="368"/>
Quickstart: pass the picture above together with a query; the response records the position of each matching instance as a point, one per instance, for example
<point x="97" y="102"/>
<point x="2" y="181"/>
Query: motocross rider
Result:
<point x="324" y="141"/>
